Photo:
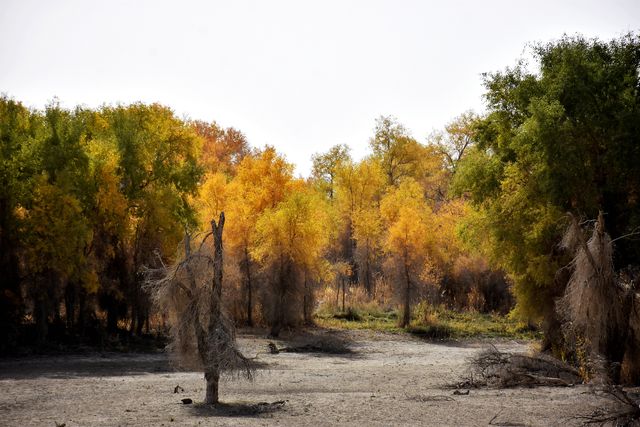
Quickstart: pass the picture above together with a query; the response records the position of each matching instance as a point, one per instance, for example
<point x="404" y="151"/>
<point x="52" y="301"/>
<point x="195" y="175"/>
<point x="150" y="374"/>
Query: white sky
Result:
<point x="299" y="75"/>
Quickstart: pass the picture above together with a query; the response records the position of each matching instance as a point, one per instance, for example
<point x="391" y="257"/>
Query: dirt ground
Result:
<point x="386" y="380"/>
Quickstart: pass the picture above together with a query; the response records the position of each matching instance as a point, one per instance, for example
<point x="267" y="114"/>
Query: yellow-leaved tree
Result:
<point x="359" y="188"/>
<point x="290" y="242"/>
<point x="368" y="233"/>
<point x="409" y="240"/>
<point x="56" y="235"/>
<point x="262" y="181"/>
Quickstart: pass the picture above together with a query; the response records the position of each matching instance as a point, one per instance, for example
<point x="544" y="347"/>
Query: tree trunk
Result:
<point x="367" y="275"/>
<point x="247" y="263"/>
<point x="213" y="378"/>
<point x="280" y="291"/>
<point x="307" y="301"/>
<point x="147" y="326"/>
<point x="350" y="253"/>
<point x="82" y="313"/>
<point x="40" y="315"/>
<point x="70" y="305"/>
<point x="11" y="301"/>
<point x="140" y="321"/>
<point x="212" y="375"/>
<point x="406" y="315"/>
<point x="112" y="315"/>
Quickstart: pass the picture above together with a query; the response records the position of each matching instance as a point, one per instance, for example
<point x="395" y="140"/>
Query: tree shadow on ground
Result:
<point x="93" y="365"/>
<point x="238" y="409"/>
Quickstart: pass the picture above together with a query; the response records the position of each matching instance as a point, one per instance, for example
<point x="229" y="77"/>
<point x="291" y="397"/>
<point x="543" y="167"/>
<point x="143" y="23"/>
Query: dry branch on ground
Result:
<point x="624" y="411"/>
<point x="493" y="368"/>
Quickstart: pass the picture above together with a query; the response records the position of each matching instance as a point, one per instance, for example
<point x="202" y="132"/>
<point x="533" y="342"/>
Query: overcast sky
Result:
<point x="299" y="75"/>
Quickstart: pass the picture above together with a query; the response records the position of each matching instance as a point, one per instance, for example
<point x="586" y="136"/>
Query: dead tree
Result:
<point x="190" y="290"/>
<point x="595" y="307"/>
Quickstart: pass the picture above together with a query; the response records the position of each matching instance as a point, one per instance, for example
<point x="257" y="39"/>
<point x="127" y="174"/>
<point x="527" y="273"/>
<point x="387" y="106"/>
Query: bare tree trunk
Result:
<point x="133" y="315"/>
<point x="367" y="274"/>
<point x="112" y="314"/>
<point x="350" y="253"/>
<point x="147" y="326"/>
<point x="406" y="315"/>
<point x="247" y="263"/>
<point x="213" y="379"/>
<point x="40" y="311"/>
<point x="304" y="299"/>
<point x="344" y="291"/>
<point x="212" y="375"/>
<point x="70" y="305"/>
<point x="307" y="302"/>
<point x="82" y="313"/>
<point x="191" y="291"/>
<point x="140" y="320"/>
<point x="284" y="275"/>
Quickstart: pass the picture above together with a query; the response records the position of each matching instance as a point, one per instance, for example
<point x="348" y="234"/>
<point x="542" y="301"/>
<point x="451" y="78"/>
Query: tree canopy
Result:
<point x="561" y="139"/>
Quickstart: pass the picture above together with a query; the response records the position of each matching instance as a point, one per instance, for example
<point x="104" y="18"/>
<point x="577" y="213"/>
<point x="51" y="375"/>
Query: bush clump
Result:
<point x="434" y="332"/>
<point x="351" y="314"/>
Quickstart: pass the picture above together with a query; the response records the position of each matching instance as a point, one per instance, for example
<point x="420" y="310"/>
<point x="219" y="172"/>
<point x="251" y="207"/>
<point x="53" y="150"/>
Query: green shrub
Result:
<point x="351" y="315"/>
<point x="434" y="332"/>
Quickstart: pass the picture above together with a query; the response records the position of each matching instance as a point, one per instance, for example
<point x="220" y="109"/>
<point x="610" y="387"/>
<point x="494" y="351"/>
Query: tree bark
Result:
<point x="212" y="393"/>
<point x="247" y="264"/>
<point x="112" y="314"/>
<point x="406" y="315"/>
<point x="306" y="301"/>
<point x="70" y="293"/>
<point x="284" y="275"/>
<point x="367" y="274"/>
<point x="40" y="314"/>
<point x="212" y="375"/>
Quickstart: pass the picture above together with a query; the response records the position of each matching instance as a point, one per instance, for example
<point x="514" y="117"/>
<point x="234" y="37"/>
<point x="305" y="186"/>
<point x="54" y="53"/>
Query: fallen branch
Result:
<point x="625" y="410"/>
<point x="493" y="368"/>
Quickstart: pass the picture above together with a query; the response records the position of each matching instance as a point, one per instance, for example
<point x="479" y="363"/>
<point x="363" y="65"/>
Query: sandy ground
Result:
<point x="387" y="380"/>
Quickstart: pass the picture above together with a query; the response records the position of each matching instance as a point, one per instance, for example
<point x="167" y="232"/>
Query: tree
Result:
<point x="55" y="242"/>
<point x="57" y="232"/>
<point x="394" y="148"/>
<point x="458" y="137"/>
<point x="408" y="240"/>
<point x="191" y="291"/>
<point x="212" y="196"/>
<point x="159" y="170"/>
<point x="326" y="166"/>
<point x="18" y="127"/>
<point x="222" y="149"/>
<point x="262" y="181"/>
<point x="358" y="187"/>
<point x="368" y="233"/>
<point x="290" y="242"/>
<point x="561" y="140"/>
